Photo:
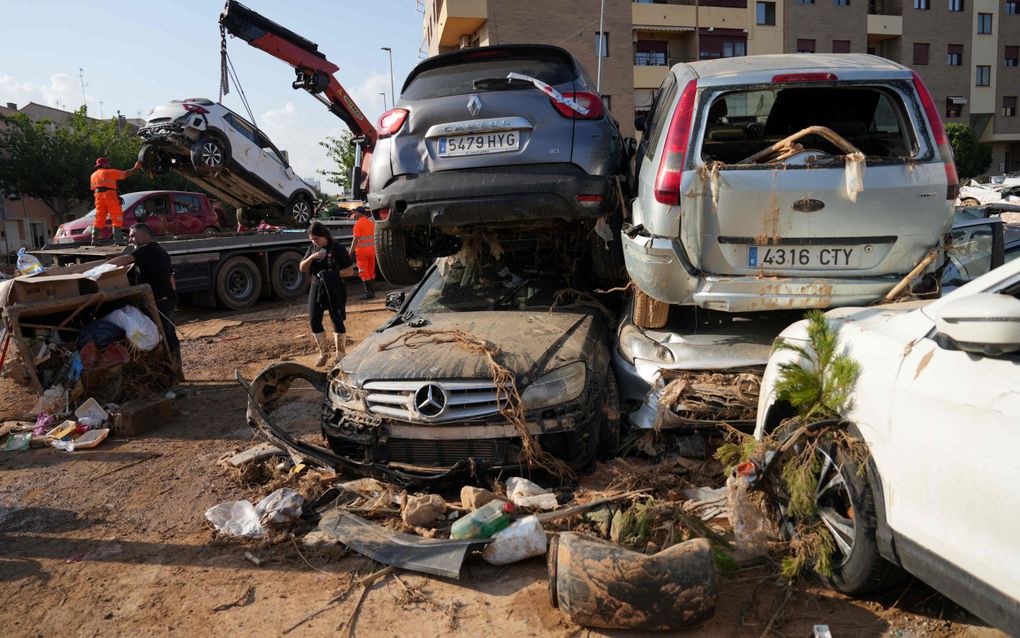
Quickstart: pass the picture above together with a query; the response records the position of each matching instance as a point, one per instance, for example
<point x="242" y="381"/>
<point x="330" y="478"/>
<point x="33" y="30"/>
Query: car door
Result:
<point x="954" y="490"/>
<point x="187" y="216"/>
<point x="272" y="168"/>
<point x="243" y="148"/>
<point x="154" y="211"/>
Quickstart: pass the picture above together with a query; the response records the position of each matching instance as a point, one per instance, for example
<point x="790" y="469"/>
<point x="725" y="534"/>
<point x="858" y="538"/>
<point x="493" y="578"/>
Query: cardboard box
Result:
<point x="65" y="282"/>
<point x="140" y="416"/>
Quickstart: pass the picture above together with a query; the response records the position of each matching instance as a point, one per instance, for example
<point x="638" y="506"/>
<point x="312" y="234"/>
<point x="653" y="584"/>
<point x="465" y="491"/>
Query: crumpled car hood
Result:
<point x="532" y="343"/>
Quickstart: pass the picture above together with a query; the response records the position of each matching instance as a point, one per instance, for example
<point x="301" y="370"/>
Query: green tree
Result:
<point x="54" y="162"/>
<point x="340" y="151"/>
<point x="972" y="157"/>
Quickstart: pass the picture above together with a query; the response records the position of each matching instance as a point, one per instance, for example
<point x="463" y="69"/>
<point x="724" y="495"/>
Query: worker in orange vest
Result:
<point x="363" y="249"/>
<point x="104" y="185"/>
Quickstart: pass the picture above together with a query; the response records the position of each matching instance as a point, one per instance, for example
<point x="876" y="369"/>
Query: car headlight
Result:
<point x="559" y="386"/>
<point x="635" y="344"/>
<point x="341" y="387"/>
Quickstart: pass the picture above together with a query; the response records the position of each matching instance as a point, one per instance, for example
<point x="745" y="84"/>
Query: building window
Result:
<point x="805" y="46"/>
<point x="920" y="53"/>
<point x="984" y="23"/>
<point x="984" y="75"/>
<point x="734" y="49"/>
<point x="954" y="55"/>
<point x="1012" y="53"/>
<point x="956" y="5"/>
<point x="841" y="3"/>
<point x="38" y="232"/>
<point x="766" y="13"/>
<point x="805" y="1"/>
<point x="1009" y="106"/>
<point x="841" y="46"/>
<point x="921" y="4"/>
<point x="1012" y="8"/>
<point x="953" y="109"/>
<point x="602" y="44"/>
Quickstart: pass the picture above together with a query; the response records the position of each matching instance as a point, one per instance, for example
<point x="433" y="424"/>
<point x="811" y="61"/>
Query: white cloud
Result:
<point x="63" y="92"/>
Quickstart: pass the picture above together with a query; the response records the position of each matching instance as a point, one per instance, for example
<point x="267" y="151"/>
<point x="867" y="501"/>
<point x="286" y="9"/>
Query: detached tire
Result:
<point x="285" y="278"/>
<point x="391" y="256"/>
<point x="238" y="283"/>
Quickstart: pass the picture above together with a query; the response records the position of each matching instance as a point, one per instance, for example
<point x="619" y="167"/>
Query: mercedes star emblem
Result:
<point x="430" y="400"/>
<point x="475" y="105"/>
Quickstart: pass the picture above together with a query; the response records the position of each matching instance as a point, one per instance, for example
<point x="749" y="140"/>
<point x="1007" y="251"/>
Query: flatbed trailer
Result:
<point x="232" y="270"/>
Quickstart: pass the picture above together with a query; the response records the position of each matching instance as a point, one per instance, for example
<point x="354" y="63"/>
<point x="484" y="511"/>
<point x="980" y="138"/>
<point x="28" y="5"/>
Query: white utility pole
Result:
<point x="388" y="50"/>
<point x="602" y="35"/>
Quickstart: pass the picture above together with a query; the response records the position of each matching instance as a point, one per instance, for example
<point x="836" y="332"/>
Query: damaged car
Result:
<point x="480" y="355"/>
<point x="936" y="405"/>
<point x="787" y="182"/>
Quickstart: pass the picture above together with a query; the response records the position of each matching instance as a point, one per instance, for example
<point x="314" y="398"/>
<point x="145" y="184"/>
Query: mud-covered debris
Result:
<point x="471" y="498"/>
<point x="420" y="511"/>
<point x="708" y="396"/>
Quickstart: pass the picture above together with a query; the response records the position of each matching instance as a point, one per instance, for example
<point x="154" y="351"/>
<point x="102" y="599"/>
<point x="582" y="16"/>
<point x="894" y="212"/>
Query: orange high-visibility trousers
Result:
<point x="366" y="263"/>
<point x="108" y="203"/>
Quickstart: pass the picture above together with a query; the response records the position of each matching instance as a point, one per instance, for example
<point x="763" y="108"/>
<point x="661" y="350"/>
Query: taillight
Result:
<point x="381" y="214"/>
<point x="194" y="108"/>
<point x="589" y="200"/>
<point x="671" y="166"/>
<point x="391" y="121"/>
<point x="787" y="78"/>
<point x="941" y="140"/>
<point x="589" y="101"/>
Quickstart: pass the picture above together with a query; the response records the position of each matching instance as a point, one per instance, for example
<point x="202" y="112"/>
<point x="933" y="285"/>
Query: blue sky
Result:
<point x="141" y="53"/>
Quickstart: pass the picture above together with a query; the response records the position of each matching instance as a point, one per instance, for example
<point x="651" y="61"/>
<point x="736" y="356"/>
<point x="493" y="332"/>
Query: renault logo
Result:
<point x="475" y="105"/>
<point x="430" y="400"/>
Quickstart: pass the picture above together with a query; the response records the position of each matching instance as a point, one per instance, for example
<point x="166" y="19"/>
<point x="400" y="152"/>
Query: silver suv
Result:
<point x="495" y="136"/>
<point x="788" y="181"/>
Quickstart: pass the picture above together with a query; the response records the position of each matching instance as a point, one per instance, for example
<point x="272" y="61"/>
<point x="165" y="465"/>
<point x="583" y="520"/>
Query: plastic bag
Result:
<point x="52" y="401"/>
<point x="29" y="264"/>
<point x="18" y="441"/>
<point x="854" y="175"/>
<point x="100" y="332"/>
<point x="140" y="330"/>
<point x="524" y="493"/>
<point x="235" y="518"/>
<point x="282" y="507"/>
<point x="523" y="539"/>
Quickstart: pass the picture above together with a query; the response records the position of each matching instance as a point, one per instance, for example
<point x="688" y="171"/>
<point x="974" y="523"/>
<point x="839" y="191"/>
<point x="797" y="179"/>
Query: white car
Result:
<point x="938" y="404"/>
<point x="227" y="156"/>
<point x="978" y="194"/>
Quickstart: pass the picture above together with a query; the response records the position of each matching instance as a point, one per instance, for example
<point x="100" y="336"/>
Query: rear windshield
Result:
<point x="459" y="77"/>
<point x="743" y="123"/>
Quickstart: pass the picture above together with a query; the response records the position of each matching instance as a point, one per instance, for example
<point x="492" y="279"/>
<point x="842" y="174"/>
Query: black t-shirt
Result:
<point x="337" y="258"/>
<point x="152" y="266"/>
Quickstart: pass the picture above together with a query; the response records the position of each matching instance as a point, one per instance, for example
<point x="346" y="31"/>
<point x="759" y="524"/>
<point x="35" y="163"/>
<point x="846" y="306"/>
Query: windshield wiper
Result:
<point x="499" y="83"/>
<point x="510" y="293"/>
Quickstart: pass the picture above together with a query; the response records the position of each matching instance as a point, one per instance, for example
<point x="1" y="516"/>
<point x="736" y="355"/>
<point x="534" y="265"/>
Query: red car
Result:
<point x="166" y="212"/>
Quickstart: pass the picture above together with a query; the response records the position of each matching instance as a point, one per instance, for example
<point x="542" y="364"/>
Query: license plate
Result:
<point x="480" y="144"/>
<point x="806" y="257"/>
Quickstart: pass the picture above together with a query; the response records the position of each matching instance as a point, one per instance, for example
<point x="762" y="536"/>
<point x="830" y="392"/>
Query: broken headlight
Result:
<point x="559" y="386"/>
<point x="341" y="388"/>
<point x="635" y="344"/>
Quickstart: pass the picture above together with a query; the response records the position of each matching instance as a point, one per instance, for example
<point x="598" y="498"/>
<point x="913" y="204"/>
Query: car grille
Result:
<point x="461" y="400"/>
<point x="439" y="453"/>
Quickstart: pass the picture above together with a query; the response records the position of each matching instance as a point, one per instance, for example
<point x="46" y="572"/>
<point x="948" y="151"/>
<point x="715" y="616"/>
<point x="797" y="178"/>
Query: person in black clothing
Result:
<point x="327" y="261"/>
<point x="152" y="266"/>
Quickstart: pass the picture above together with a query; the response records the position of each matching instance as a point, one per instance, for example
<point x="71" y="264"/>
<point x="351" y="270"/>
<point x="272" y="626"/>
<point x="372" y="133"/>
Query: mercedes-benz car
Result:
<point x="229" y="157"/>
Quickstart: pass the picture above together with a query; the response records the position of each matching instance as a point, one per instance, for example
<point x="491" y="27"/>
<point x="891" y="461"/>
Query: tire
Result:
<point x="209" y="155"/>
<point x="299" y="211"/>
<point x="211" y="231"/>
<point x="285" y="279"/>
<point x="238" y="283"/>
<point x="846" y="505"/>
<point x="391" y="255"/>
<point x="607" y="258"/>
<point x="153" y="160"/>
<point x="969" y="201"/>
<point x="609" y="425"/>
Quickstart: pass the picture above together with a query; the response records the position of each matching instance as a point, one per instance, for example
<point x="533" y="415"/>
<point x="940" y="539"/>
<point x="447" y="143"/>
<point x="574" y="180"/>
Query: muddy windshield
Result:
<point x="742" y="126"/>
<point x="456" y="287"/>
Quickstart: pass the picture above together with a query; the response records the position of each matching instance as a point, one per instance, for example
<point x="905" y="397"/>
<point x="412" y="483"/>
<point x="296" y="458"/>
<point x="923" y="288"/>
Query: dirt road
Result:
<point x="112" y="541"/>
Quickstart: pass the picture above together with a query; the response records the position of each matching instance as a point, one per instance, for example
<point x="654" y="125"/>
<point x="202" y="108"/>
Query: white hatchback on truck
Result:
<point x="788" y="181"/>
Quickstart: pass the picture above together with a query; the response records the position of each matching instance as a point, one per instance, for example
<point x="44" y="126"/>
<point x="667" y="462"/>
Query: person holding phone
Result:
<point x="327" y="262"/>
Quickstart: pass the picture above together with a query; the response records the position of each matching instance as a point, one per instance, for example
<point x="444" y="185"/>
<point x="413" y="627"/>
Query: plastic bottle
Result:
<point x="28" y="264"/>
<point x="483" y="522"/>
<point x="524" y="539"/>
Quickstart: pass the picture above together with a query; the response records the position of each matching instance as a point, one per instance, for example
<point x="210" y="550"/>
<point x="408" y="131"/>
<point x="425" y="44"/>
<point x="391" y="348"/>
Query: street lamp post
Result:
<point x="389" y="51"/>
<point x="384" y="107"/>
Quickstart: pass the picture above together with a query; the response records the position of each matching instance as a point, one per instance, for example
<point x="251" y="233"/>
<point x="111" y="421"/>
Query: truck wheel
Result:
<point x="391" y="255"/>
<point x="153" y="160"/>
<point x="299" y="211"/>
<point x="209" y="156"/>
<point x="285" y="278"/>
<point x="238" y="283"/>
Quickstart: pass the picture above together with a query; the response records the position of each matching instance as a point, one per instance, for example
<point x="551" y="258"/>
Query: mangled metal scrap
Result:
<point x="708" y="396"/>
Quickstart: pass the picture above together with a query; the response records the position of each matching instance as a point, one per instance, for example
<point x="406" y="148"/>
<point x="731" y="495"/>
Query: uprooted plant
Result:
<point x="818" y="385"/>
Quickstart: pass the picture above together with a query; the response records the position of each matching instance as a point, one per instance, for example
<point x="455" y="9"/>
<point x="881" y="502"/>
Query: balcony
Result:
<point x="455" y="18"/>
<point x="728" y="14"/>
<point x="885" y="7"/>
<point x="649" y="77"/>
<point x="884" y="27"/>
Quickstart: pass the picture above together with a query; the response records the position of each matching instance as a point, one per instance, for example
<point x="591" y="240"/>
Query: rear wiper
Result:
<point x="498" y="83"/>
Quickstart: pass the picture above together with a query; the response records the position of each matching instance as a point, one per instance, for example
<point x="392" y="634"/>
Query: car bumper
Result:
<point x="660" y="269"/>
<point x="507" y="194"/>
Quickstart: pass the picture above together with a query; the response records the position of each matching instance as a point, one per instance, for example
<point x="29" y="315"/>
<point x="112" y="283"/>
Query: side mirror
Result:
<point x="640" y="121"/>
<point x="984" y="323"/>
<point x="141" y="213"/>
<point x="395" y="300"/>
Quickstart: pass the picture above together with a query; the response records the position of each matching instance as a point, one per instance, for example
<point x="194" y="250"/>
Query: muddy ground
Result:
<point x="112" y="541"/>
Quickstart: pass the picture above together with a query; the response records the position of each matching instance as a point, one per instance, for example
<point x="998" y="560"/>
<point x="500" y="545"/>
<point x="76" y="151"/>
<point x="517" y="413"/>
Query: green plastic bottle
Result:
<point x="483" y="522"/>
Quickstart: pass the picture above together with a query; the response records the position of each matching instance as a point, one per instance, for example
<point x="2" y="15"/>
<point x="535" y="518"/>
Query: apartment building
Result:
<point x="966" y="50"/>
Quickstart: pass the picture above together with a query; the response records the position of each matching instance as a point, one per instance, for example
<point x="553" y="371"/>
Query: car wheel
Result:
<point x="969" y="201"/>
<point x="153" y="160"/>
<point x="609" y="425"/>
<point x="209" y="156"/>
<point x="846" y="507"/>
<point x="285" y="277"/>
<point x="299" y="211"/>
<point x="238" y="283"/>
<point x="607" y="257"/>
<point x="392" y="256"/>
<point x="211" y="231"/>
